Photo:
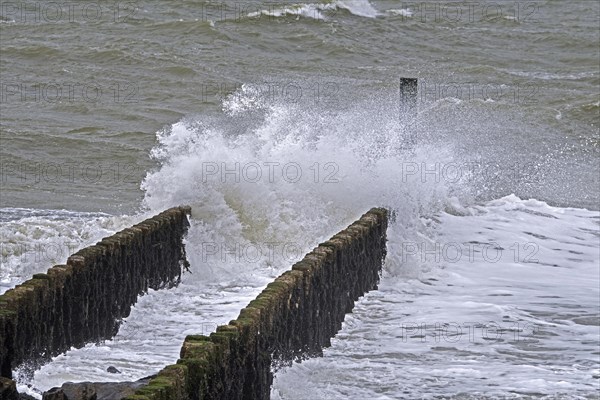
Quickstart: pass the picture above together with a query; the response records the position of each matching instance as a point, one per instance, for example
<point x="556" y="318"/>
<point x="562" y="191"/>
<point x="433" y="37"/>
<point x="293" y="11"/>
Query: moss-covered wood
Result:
<point x="82" y="301"/>
<point x="294" y="317"/>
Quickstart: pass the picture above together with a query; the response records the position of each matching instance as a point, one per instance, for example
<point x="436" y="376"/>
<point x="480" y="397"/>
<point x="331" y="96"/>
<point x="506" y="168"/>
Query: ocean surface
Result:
<point x="280" y="123"/>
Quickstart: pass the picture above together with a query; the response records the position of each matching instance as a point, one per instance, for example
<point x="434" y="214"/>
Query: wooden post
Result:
<point x="408" y="97"/>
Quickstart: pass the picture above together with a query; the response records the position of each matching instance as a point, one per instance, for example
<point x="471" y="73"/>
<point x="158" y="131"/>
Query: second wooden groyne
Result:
<point x="294" y="317"/>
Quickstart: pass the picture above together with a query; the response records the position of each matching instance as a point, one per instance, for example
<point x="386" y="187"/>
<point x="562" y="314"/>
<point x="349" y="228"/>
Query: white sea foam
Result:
<point x="361" y="8"/>
<point x="314" y="11"/>
<point x="268" y="181"/>
<point x="516" y="315"/>
<point x="318" y="11"/>
<point x="404" y="12"/>
<point x="247" y="229"/>
<point x="543" y="75"/>
<point x="34" y="240"/>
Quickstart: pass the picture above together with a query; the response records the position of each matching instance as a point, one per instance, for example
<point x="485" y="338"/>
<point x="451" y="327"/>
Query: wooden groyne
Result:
<point x="83" y="301"/>
<point x="293" y="318"/>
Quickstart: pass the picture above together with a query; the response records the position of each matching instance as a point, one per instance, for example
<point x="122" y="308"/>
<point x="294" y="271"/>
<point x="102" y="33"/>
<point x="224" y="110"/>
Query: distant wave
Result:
<point x="319" y="11"/>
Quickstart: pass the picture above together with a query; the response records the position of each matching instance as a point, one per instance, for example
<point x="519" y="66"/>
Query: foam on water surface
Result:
<point x="31" y="241"/>
<point x="267" y="182"/>
<point x="491" y="321"/>
<point x="318" y="11"/>
<point x="262" y="196"/>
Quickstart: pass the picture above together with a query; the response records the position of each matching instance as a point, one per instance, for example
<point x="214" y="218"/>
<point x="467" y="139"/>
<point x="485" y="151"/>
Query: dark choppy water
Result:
<point x="111" y="110"/>
<point x="86" y="86"/>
